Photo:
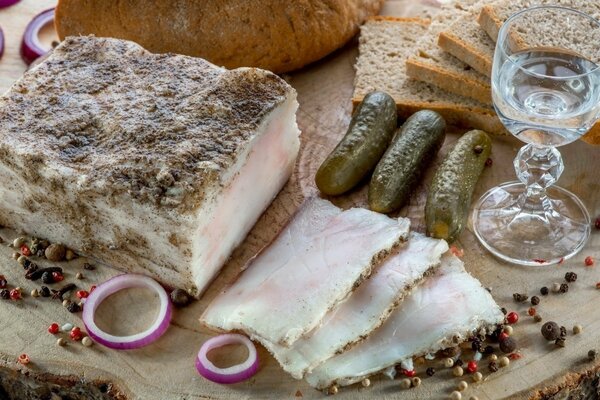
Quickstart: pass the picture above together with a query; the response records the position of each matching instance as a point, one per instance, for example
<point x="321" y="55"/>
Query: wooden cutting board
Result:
<point x="165" y="370"/>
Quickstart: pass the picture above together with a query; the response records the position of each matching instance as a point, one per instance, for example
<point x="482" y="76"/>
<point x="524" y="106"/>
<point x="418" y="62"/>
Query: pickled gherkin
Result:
<point x="369" y="134"/>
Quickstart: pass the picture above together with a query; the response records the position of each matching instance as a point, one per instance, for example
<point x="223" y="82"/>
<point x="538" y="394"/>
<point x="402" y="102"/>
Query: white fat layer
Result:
<point x="248" y="189"/>
<point x="312" y="265"/>
<point x="365" y="310"/>
<point x="448" y="303"/>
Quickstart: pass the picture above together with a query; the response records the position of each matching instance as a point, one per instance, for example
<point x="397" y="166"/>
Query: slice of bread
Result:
<point x="437" y="67"/>
<point x="385" y="45"/>
<point x="468" y="42"/>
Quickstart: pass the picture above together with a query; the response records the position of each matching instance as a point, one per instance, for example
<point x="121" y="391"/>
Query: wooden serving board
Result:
<point x="165" y="370"/>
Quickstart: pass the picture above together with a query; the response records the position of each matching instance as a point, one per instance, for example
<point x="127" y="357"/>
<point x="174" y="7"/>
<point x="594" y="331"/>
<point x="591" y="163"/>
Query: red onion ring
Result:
<point x="8" y="3"/>
<point x="138" y="340"/>
<point x="31" y="47"/>
<point x="233" y="374"/>
<point x="1" y="43"/>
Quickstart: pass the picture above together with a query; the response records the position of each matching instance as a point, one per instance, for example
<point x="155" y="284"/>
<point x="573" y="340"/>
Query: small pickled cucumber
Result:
<point x="449" y="198"/>
<point x="368" y="136"/>
<point x="400" y="168"/>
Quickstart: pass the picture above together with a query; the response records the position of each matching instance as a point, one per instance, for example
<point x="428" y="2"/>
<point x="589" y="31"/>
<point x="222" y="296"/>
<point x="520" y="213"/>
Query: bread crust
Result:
<point x="461" y="50"/>
<point x="278" y="35"/>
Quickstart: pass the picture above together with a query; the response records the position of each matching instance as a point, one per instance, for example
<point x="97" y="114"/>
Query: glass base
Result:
<point x="549" y="236"/>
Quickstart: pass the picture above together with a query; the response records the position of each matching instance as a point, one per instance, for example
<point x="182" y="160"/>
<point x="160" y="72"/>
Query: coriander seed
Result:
<point x="405" y="383"/>
<point x="333" y="390"/>
<point x="503" y="361"/>
<point x="455" y="395"/>
<point x="577" y="329"/>
<point x="87" y="342"/>
<point x="508" y="330"/>
<point x="560" y="342"/>
<point x="366" y="382"/>
<point x="477" y="377"/>
<point x="79" y="275"/>
<point x="61" y="342"/>
<point x="35" y="293"/>
<point x="457" y="371"/>
<point x="448" y="362"/>
<point x="493" y="357"/>
<point x="462" y="386"/>
<point x="416" y="381"/>
<point x="556" y="287"/>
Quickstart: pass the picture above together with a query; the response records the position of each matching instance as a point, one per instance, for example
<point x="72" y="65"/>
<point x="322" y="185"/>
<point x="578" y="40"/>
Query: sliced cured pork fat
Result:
<point x="367" y="308"/>
<point x="449" y="303"/>
<point x="318" y="259"/>
<point x="152" y="163"/>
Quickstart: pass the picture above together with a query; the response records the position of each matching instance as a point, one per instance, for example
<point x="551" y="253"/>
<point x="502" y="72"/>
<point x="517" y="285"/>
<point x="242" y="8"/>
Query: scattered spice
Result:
<point x="73" y="307"/>
<point x="577" y="329"/>
<point x="333" y="390"/>
<point x="560" y="342"/>
<point x="54" y="328"/>
<point x="35" y="274"/>
<point x="564" y="288"/>
<point x="180" y="298"/>
<point x="462" y="386"/>
<point x="365" y="382"/>
<point x="44" y="291"/>
<point x="58" y="294"/>
<point x="55" y="252"/>
<point x="16" y="255"/>
<point x="478" y="149"/>
<point x="87" y="342"/>
<point x="15" y="294"/>
<point x="472" y="366"/>
<point x="504" y="310"/>
<point x="515" y="356"/>
<point x="589" y="261"/>
<point x="416" y="381"/>
<point x="458" y="362"/>
<point x="66" y="303"/>
<point x="508" y="330"/>
<point x="88" y="267"/>
<point x="591" y="355"/>
<point x="563" y="332"/>
<point x="430" y="371"/>
<point x="35" y="293"/>
<point x="550" y="330"/>
<point x="503" y="336"/>
<point x="70" y="255"/>
<point x="409" y="372"/>
<point x="570" y="277"/>
<point x="473" y="398"/>
<point x="448" y="362"/>
<point x="556" y="287"/>
<point x="489" y="162"/>
<point x="544" y="291"/>
<point x="537" y="318"/>
<point x="58" y="276"/>
<point x="18" y="242"/>
<point x="531" y="311"/>
<point x="76" y="334"/>
<point x="520" y="297"/>
<point x="508" y="345"/>
<point x="405" y="383"/>
<point x="82" y="294"/>
<point x="456" y="251"/>
<point x="61" y="342"/>
<point x="456" y="394"/>
<point x="457" y="371"/>
<point x="25" y="250"/>
<point x="492" y="366"/>
<point x="535" y="300"/>
<point x="488" y="349"/>
<point x="503" y="361"/>
<point x="512" y="317"/>
<point x="24" y="359"/>
<point x="79" y="275"/>
<point x="3" y="282"/>
<point x="4" y="294"/>
<point x="477" y="377"/>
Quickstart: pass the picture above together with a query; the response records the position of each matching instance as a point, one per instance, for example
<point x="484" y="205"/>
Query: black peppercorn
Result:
<point x="47" y="278"/>
<point x="535" y="300"/>
<point x="26" y="264"/>
<point x="73" y="307"/>
<point x="476" y="345"/>
<point x="493" y="367"/>
<point x="495" y="335"/>
<point x="592" y="355"/>
<point x="430" y="371"/>
<point x="550" y="330"/>
<point x="180" y="298"/>
<point x="504" y="310"/>
<point x="89" y="267"/>
<point x="488" y="350"/>
<point x="570" y="277"/>
<point x="3" y="282"/>
<point x="478" y="149"/>
<point x="564" y="288"/>
<point x="458" y="362"/>
<point x="520" y="297"/>
<point x="508" y="345"/>
<point x="5" y="294"/>
<point x="44" y="291"/>
<point x="544" y="291"/>
<point x="450" y="352"/>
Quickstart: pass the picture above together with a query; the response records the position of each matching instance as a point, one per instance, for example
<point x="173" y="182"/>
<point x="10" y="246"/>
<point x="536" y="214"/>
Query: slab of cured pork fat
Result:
<point x="319" y="258"/>
<point x="450" y="304"/>
<point x="158" y="164"/>
<point x="367" y="308"/>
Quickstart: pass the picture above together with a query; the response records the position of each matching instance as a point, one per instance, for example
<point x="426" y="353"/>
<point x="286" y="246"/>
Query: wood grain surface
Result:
<point x="165" y="370"/>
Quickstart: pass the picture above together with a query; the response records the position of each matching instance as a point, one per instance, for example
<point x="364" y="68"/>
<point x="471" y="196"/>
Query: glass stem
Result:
<point x="537" y="168"/>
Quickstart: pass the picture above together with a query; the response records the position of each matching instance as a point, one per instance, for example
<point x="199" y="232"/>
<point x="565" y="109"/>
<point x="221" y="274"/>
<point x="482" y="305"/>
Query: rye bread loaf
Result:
<point x="277" y="35"/>
<point x="384" y="46"/>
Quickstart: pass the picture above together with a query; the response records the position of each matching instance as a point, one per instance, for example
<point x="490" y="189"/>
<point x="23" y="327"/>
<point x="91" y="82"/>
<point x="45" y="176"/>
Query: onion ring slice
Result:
<point x="138" y="340"/>
<point x="31" y="47"/>
<point x="233" y="374"/>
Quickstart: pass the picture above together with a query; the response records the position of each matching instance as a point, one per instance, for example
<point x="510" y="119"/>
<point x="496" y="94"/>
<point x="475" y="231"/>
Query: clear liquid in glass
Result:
<point x="544" y="96"/>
